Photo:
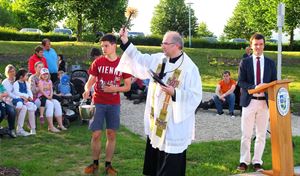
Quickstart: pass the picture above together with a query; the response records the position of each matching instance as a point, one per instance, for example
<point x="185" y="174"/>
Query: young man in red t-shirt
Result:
<point x="225" y="93"/>
<point x="106" y="81"/>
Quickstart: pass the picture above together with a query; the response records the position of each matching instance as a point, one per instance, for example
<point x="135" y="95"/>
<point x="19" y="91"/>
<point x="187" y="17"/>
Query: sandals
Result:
<point x="54" y="130"/>
<point x="42" y="120"/>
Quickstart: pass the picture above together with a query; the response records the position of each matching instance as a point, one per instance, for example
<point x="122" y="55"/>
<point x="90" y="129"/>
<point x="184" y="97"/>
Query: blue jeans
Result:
<point x="10" y="112"/>
<point x="230" y="99"/>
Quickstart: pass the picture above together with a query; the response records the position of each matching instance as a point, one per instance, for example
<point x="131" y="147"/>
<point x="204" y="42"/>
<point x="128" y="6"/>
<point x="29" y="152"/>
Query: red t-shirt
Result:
<point x="225" y="87"/>
<point x="105" y="73"/>
<point x="34" y="59"/>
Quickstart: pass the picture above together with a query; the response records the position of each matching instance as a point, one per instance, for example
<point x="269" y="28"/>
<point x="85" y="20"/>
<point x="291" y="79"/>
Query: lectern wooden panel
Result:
<point x="280" y="124"/>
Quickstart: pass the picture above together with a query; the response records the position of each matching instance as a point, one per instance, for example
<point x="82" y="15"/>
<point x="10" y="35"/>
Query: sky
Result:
<point x="214" y="13"/>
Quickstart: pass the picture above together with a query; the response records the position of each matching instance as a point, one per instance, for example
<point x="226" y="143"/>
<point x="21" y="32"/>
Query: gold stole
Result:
<point x="159" y="126"/>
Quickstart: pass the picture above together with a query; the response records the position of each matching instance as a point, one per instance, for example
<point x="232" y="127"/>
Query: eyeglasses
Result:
<point x="166" y="43"/>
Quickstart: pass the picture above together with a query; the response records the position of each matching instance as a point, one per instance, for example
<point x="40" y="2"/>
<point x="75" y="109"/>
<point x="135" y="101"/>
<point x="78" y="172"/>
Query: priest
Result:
<point x="172" y="99"/>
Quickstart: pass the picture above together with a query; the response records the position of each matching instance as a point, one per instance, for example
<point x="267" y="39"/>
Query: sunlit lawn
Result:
<point x="68" y="153"/>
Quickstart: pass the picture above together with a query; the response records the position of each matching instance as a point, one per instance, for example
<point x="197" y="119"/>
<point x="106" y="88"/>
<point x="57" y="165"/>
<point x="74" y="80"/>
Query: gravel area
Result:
<point x="209" y="126"/>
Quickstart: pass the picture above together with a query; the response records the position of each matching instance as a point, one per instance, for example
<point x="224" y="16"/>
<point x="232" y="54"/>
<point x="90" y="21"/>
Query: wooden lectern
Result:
<point x="280" y="124"/>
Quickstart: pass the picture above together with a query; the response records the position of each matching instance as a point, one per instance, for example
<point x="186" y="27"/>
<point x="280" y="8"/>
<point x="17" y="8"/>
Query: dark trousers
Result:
<point x="160" y="163"/>
<point x="10" y="111"/>
<point x="53" y="77"/>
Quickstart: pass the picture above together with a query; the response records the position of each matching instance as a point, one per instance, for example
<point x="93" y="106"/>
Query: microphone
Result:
<point x="161" y="74"/>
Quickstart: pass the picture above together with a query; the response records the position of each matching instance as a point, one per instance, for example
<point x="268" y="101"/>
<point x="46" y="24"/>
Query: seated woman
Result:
<point x="10" y="73"/>
<point x="7" y="110"/>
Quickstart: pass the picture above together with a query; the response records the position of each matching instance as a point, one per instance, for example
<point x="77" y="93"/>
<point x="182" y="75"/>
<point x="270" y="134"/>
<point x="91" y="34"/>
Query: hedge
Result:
<point x="9" y="34"/>
<point x="200" y="43"/>
<point x="154" y="40"/>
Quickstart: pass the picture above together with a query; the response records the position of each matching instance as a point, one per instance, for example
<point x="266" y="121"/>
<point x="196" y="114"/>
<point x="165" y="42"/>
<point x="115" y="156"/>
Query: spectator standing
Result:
<point x="51" y="58"/>
<point x="61" y="63"/>
<point x="248" y="52"/>
<point x="106" y="82"/>
<point x="254" y="72"/>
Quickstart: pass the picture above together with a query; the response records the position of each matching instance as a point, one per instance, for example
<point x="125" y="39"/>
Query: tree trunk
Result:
<point x="94" y="26"/>
<point x="291" y="45"/>
<point x="79" y="27"/>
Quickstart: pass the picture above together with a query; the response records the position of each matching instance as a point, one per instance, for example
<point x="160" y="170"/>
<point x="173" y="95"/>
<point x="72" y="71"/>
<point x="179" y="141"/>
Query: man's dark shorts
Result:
<point x="108" y="113"/>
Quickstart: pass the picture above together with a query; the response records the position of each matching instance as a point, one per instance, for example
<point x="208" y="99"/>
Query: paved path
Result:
<point x="209" y="127"/>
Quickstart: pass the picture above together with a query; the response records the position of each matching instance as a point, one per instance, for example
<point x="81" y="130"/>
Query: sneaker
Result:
<point x="53" y="130"/>
<point x="242" y="167"/>
<point x="62" y="128"/>
<point x="23" y="133"/>
<point x="42" y="120"/>
<point x="257" y="167"/>
<point x="33" y="132"/>
<point x="91" y="169"/>
<point x="109" y="170"/>
<point x="232" y="115"/>
<point x="12" y="133"/>
<point x="220" y="113"/>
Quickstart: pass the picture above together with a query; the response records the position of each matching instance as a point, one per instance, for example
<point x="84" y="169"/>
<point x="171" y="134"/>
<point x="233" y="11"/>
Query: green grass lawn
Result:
<point x="68" y="153"/>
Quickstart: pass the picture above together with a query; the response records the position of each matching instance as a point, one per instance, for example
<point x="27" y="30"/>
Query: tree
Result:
<point x="202" y="30"/>
<point x="7" y="19"/>
<point x="292" y="18"/>
<point x="252" y="16"/>
<point x="111" y="15"/>
<point x="96" y="15"/>
<point x="172" y="15"/>
<point x="40" y="14"/>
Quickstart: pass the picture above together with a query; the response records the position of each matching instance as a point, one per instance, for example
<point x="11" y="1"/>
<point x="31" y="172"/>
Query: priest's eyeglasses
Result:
<point x="166" y="43"/>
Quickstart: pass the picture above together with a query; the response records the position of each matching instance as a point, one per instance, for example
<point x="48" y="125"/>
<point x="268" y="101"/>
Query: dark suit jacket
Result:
<point x="246" y="77"/>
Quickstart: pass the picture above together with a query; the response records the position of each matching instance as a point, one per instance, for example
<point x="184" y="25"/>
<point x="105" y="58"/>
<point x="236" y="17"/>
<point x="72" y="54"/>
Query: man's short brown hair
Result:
<point x="256" y="36"/>
<point x="44" y="41"/>
<point x="110" y="38"/>
<point x="226" y="72"/>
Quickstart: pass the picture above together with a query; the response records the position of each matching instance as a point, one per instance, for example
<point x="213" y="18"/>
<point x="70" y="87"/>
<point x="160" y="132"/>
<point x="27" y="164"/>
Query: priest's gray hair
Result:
<point x="176" y="38"/>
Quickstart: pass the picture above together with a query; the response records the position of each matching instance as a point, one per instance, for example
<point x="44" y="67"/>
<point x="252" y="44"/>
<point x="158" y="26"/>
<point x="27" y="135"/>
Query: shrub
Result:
<point x="12" y="34"/>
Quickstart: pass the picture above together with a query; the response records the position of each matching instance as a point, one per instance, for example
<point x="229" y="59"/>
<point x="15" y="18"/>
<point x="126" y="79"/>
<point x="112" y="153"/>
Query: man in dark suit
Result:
<point x="254" y="71"/>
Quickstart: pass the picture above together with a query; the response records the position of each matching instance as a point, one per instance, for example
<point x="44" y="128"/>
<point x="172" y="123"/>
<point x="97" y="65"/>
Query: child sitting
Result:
<point x="24" y="97"/>
<point x="47" y="98"/>
<point x="64" y="87"/>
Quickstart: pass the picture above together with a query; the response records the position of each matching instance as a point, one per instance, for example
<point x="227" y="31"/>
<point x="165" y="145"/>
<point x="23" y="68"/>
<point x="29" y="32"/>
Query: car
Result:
<point x="31" y="30"/>
<point x="64" y="31"/>
<point x="239" y="40"/>
<point x="210" y="39"/>
<point x="272" y="41"/>
<point x="136" y="34"/>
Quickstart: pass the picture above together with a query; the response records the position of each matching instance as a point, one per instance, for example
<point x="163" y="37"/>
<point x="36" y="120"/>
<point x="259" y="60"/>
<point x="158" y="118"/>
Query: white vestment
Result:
<point x="180" y="114"/>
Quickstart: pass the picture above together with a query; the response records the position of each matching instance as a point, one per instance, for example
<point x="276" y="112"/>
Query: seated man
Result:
<point x="225" y="93"/>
